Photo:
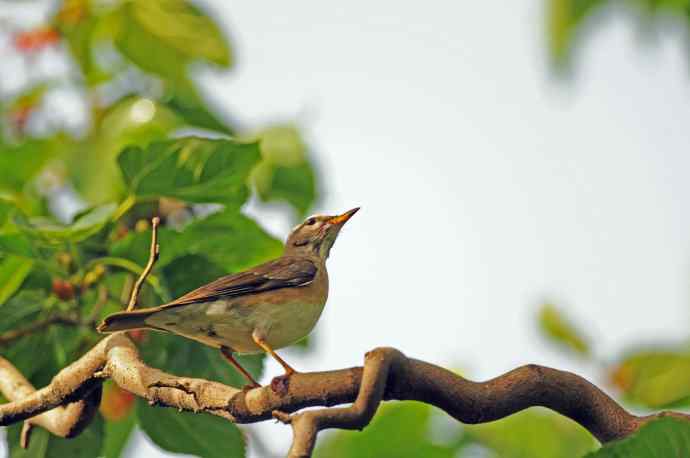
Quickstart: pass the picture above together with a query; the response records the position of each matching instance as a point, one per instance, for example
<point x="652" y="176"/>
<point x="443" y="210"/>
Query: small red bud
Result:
<point x="63" y="289"/>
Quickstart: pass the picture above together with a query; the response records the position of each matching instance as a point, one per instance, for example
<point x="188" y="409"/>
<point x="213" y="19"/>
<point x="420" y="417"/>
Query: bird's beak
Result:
<point x="342" y="219"/>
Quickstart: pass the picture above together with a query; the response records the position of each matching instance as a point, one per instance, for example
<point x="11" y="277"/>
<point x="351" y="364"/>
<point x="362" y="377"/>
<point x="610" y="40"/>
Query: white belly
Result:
<point x="224" y="323"/>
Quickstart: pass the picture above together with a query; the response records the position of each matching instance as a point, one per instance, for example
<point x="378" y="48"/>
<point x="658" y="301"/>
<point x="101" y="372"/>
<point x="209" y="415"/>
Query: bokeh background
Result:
<point x="522" y="172"/>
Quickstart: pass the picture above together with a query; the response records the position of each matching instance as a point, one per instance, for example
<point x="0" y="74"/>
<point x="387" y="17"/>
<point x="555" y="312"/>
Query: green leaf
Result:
<point x="163" y="36"/>
<point x="45" y="445"/>
<point x="37" y="366"/>
<point x="87" y="444"/>
<point x="184" y="100"/>
<point x="12" y="239"/>
<point x="26" y="160"/>
<point x="7" y="208"/>
<point x="22" y="308"/>
<point x="533" y="433"/>
<point x="285" y="173"/>
<point x="116" y="434"/>
<point x="191" y="169"/>
<point x="20" y="311"/>
<point x="231" y="240"/>
<point x="84" y="226"/>
<point x="554" y="326"/>
<point x="195" y="35"/>
<point x="399" y="430"/>
<point x="202" y="435"/>
<point x="564" y="18"/>
<point x="65" y="344"/>
<point x="59" y="345"/>
<point x="136" y="269"/>
<point x="38" y="446"/>
<point x="228" y="239"/>
<point x="13" y="271"/>
<point x="189" y="272"/>
<point x="655" y="378"/>
<point x="133" y="120"/>
<point x="295" y="185"/>
<point x="662" y="438"/>
<point x="84" y="26"/>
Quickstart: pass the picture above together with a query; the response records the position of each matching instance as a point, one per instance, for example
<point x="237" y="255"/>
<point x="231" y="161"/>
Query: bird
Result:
<point x="264" y="308"/>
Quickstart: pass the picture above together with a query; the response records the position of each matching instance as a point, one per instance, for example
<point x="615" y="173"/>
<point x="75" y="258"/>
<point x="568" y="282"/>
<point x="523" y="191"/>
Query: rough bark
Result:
<point x="66" y="405"/>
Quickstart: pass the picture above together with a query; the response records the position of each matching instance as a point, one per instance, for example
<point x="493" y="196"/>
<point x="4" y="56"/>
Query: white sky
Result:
<point x="485" y="184"/>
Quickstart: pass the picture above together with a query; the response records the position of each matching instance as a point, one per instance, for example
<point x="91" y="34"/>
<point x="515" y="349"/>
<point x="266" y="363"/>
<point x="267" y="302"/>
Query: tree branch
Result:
<point x="67" y="421"/>
<point x="378" y="365"/>
<point x="66" y="406"/>
<point x="387" y="375"/>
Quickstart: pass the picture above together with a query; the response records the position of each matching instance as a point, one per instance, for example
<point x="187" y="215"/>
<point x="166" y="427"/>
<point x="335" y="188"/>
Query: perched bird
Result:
<point x="267" y="307"/>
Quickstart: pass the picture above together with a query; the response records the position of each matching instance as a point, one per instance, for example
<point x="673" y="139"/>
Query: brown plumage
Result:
<point x="288" y="271"/>
<point x="266" y="307"/>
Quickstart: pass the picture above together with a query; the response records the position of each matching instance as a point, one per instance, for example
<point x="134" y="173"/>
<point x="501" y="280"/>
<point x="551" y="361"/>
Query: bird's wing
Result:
<point x="283" y="272"/>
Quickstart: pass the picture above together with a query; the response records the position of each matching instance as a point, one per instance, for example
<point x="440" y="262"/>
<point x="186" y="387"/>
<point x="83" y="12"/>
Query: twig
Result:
<point x="65" y="319"/>
<point x="14" y="334"/>
<point x="153" y="257"/>
<point x="387" y="375"/>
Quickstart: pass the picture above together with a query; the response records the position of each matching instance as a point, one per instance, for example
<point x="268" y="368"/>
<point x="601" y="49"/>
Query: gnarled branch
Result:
<point x="64" y="421"/>
<point x="66" y="406"/>
<point x="387" y="375"/>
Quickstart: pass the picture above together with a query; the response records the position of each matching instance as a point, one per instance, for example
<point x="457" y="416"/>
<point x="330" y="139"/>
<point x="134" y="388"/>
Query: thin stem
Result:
<point x="153" y="257"/>
<point x="14" y="334"/>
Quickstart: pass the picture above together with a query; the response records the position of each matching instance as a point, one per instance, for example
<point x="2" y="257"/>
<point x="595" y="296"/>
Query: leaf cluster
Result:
<point x="75" y="206"/>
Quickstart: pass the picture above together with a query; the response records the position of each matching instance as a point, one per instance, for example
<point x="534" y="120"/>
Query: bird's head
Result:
<point x="317" y="234"/>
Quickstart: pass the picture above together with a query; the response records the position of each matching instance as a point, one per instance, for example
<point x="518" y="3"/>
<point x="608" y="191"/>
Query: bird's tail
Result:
<point x="123" y="321"/>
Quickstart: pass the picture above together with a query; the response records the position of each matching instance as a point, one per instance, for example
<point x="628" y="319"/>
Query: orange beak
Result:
<point x="342" y="219"/>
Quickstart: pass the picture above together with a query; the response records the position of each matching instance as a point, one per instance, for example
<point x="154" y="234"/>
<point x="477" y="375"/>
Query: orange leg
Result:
<point x="265" y="347"/>
<point x="225" y="351"/>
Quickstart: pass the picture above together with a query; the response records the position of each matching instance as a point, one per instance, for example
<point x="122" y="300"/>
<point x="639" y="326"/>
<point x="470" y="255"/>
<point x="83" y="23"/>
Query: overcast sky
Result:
<point x="486" y="185"/>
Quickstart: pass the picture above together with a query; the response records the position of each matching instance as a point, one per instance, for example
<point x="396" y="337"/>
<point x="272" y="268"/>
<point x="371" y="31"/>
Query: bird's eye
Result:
<point x="310" y="221"/>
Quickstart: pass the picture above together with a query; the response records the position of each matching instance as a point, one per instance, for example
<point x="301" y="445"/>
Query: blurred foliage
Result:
<point x="399" y="430"/>
<point x="533" y="433"/>
<point x="654" y="377"/>
<point x="555" y="326"/>
<point x="662" y="438"/>
<point x="45" y="445"/>
<point x="285" y="174"/>
<point x="412" y="429"/>
<point x="567" y="21"/>
<point x="204" y="435"/>
<point x="75" y="204"/>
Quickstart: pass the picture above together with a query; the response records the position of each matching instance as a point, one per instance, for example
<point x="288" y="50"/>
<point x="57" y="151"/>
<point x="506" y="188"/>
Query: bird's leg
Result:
<point x="225" y="351"/>
<point x="261" y="342"/>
